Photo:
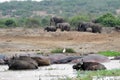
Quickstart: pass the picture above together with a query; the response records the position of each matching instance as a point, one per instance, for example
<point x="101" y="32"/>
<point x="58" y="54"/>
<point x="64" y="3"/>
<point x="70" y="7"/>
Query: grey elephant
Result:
<point x="117" y="28"/>
<point x="54" y="20"/>
<point x="63" y="26"/>
<point x="95" y="28"/>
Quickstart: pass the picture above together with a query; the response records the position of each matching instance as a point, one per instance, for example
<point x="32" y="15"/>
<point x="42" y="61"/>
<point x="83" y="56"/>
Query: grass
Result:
<point x="60" y="50"/>
<point x="110" y="53"/>
<point x="88" y="75"/>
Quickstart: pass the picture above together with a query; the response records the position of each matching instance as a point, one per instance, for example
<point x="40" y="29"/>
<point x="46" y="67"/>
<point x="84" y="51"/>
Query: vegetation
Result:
<point x="63" y="8"/>
<point x="88" y="75"/>
<point x="60" y="50"/>
<point x="108" y="20"/>
<point x="110" y="53"/>
<point x="37" y="14"/>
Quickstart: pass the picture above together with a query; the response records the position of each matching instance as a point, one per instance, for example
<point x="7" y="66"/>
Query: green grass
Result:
<point x="88" y="75"/>
<point x="110" y="53"/>
<point x="60" y="50"/>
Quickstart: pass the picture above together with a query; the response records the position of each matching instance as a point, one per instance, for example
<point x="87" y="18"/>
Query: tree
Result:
<point x="76" y="19"/>
<point x="108" y="20"/>
<point x="32" y="23"/>
<point x="10" y="23"/>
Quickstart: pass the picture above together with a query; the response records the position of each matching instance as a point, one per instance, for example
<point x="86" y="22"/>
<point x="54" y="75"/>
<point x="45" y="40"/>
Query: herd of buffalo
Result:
<point x="60" y="23"/>
<point x="23" y="62"/>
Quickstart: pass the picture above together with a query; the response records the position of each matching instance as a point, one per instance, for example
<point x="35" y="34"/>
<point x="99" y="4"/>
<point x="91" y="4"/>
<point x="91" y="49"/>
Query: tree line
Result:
<point x="107" y="20"/>
<point x="64" y="8"/>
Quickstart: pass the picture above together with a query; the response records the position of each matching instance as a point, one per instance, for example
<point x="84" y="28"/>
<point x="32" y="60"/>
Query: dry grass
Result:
<point x="12" y="40"/>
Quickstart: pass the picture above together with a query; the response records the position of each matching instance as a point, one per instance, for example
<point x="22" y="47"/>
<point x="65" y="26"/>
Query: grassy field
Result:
<point x="110" y="53"/>
<point x="88" y="75"/>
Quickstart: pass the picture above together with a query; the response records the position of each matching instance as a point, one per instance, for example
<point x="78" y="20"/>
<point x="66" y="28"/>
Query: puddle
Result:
<point x="52" y="72"/>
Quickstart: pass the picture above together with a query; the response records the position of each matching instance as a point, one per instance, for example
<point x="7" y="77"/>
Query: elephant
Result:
<point x="89" y="66"/>
<point x="52" y="29"/>
<point x="54" y="20"/>
<point x="22" y="63"/>
<point x="63" y="26"/>
<point x="83" y="26"/>
<point x="117" y="28"/>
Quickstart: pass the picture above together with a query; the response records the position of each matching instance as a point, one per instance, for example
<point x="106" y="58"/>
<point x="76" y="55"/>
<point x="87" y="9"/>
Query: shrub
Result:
<point x="110" y="53"/>
<point x="60" y="50"/>
<point x="10" y="23"/>
<point x="108" y="20"/>
<point x="76" y="19"/>
<point x="32" y="23"/>
<point x="70" y="50"/>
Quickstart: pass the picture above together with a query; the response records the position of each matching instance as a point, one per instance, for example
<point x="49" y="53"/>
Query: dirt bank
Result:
<point x="34" y="40"/>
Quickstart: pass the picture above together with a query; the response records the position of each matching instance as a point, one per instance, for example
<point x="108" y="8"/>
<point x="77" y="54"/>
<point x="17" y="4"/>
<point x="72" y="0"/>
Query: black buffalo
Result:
<point x="89" y="66"/>
<point x="22" y="63"/>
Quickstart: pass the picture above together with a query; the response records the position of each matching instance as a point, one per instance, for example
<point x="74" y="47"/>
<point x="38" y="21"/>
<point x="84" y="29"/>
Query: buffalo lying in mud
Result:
<point x="25" y="62"/>
<point x="22" y="63"/>
<point x="89" y="66"/>
<point x="41" y="62"/>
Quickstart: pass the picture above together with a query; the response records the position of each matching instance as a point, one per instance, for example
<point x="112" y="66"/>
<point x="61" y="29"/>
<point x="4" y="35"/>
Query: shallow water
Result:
<point x="52" y="72"/>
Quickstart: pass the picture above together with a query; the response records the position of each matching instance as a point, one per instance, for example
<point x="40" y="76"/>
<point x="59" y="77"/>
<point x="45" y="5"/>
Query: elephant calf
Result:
<point x="63" y="26"/>
<point x="52" y="29"/>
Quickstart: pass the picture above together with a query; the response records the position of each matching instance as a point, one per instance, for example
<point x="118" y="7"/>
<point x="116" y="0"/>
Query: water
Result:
<point x="52" y="72"/>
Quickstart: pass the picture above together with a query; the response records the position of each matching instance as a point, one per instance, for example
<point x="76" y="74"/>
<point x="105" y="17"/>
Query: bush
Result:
<point x="10" y="23"/>
<point x="32" y="23"/>
<point x="60" y="50"/>
<point x="110" y="53"/>
<point x="70" y="50"/>
<point x="108" y="20"/>
<point x="76" y="19"/>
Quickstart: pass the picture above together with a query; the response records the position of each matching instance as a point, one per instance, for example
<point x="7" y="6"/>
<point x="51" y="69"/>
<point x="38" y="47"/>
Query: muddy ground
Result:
<point x="19" y="40"/>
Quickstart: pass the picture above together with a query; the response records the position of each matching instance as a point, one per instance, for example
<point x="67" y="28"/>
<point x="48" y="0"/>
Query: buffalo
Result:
<point x="22" y="63"/>
<point x="89" y="66"/>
